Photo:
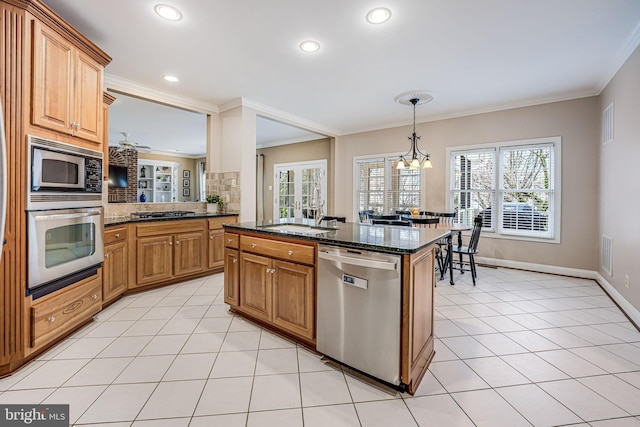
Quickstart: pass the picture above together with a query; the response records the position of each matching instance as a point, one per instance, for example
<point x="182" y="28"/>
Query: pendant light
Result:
<point x="414" y="158"/>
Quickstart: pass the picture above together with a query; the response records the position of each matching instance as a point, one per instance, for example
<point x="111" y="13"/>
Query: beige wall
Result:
<point x="576" y="121"/>
<point x="304" y="151"/>
<point x="619" y="203"/>
<point x="185" y="164"/>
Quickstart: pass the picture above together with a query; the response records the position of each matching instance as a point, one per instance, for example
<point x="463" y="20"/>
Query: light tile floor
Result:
<point x="520" y="348"/>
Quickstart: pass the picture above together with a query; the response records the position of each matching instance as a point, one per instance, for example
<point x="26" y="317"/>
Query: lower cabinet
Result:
<point x="216" y="248"/>
<point x="115" y="266"/>
<point x="417" y="328"/>
<point x="216" y="256"/>
<point x="161" y="256"/>
<point x="165" y="257"/>
<point x="276" y="291"/>
<point x="232" y="277"/>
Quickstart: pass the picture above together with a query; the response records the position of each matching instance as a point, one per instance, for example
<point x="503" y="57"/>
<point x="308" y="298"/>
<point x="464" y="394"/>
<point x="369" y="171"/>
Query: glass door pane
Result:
<point x="286" y="194"/>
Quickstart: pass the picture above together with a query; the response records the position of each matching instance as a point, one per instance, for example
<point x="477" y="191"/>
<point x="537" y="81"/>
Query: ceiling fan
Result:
<point x="129" y="145"/>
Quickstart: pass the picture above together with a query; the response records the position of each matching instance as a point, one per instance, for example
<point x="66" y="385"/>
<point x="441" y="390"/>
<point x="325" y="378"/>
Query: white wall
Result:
<point x="619" y="203"/>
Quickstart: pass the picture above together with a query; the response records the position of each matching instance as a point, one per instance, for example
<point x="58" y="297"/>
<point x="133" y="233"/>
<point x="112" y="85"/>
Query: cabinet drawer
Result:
<point x="53" y="316"/>
<point x="116" y="234"/>
<point x="216" y="223"/>
<point x="277" y="249"/>
<point x="231" y="240"/>
<point x="159" y="228"/>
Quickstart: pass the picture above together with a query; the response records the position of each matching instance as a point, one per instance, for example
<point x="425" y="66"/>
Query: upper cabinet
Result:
<point x="67" y="86"/>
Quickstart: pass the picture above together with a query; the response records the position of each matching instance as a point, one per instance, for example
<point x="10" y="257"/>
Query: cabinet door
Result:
<point x="52" y="91"/>
<point x="418" y="345"/>
<point x="255" y="285"/>
<point x="154" y="259"/>
<point x="88" y="98"/>
<point x="114" y="270"/>
<point x="190" y="256"/>
<point x="293" y="298"/>
<point x="231" y="277"/>
<point x="216" y="248"/>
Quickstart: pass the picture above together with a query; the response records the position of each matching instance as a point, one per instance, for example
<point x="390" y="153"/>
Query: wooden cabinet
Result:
<point x="66" y="87"/>
<point x="417" y="321"/>
<point x="189" y="253"/>
<point x="232" y="277"/>
<point x="294" y="298"/>
<point x="114" y="267"/>
<point x="217" y="241"/>
<point x="60" y="312"/>
<point x="276" y="282"/>
<point x="162" y="256"/>
<point x="256" y="285"/>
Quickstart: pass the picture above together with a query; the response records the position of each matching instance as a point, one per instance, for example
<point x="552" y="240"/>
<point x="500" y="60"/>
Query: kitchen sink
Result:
<point x="299" y="228"/>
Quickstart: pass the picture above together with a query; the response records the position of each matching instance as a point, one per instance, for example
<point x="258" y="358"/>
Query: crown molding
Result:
<point x="280" y="116"/>
<point x="130" y="87"/>
<point x="624" y="53"/>
<point x="473" y="112"/>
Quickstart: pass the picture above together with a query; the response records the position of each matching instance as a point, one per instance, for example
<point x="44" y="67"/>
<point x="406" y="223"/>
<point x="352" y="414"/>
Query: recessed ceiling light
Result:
<point x="378" y="15"/>
<point x="168" y="12"/>
<point x="310" y="46"/>
<point x="172" y="79"/>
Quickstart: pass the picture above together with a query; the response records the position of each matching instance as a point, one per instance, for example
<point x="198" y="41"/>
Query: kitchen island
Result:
<point x="272" y="273"/>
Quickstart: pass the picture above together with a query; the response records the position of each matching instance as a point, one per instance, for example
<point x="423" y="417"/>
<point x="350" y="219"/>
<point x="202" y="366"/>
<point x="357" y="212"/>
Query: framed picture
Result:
<point x="143" y="184"/>
<point x="186" y="192"/>
<point x="186" y="173"/>
<point x="186" y="183"/>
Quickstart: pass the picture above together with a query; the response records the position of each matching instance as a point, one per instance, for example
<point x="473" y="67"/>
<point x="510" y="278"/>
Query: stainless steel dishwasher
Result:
<point x="359" y="310"/>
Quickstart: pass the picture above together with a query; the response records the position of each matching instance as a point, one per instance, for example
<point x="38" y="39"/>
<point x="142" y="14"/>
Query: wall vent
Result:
<point x="607" y="124"/>
<point x="606" y="255"/>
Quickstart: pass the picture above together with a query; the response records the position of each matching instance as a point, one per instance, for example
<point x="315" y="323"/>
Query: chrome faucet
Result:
<point x="318" y="215"/>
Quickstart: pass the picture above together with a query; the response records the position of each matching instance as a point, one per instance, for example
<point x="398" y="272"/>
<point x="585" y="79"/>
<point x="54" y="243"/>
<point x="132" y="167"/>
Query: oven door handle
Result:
<point x="49" y="217"/>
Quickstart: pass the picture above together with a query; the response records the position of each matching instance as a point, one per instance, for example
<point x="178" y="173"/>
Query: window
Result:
<point x="514" y="186"/>
<point x="383" y="189"/>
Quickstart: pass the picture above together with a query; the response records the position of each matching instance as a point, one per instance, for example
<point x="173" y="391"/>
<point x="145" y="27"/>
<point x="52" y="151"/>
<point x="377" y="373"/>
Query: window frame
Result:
<point x="387" y="159"/>
<point x="493" y="231"/>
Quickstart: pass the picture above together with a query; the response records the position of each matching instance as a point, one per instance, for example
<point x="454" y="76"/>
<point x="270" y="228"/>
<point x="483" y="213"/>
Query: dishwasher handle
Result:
<point x="362" y="262"/>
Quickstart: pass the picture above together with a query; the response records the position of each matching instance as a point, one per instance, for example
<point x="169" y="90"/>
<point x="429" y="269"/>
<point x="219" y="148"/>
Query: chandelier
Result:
<point x="414" y="158"/>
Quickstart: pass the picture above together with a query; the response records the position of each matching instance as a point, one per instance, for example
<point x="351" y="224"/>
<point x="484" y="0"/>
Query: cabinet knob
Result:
<point x="210" y="237"/>
<point x="290" y="252"/>
<point x="51" y="319"/>
<point x="170" y="243"/>
<point x="94" y="297"/>
<point x="235" y="260"/>
<point x="177" y="242"/>
<point x="106" y="255"/>
<point x="228" y="240"/>
<point x="253" y="245"/>
<point x="117" y="235"/>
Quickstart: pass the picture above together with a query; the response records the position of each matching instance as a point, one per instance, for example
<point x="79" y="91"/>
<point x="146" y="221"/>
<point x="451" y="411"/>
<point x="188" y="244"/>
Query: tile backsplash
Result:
<point x="227" y="185"/>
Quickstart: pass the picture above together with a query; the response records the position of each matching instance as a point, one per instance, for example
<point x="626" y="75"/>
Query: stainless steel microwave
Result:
<point x="62" y="176"/>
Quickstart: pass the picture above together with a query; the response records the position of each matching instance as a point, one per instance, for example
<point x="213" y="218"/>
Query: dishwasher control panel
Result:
<point x="355" y="281"/>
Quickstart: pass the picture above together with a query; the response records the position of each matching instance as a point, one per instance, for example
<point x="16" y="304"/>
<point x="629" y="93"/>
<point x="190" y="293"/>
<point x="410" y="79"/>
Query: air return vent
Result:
<point x="606" y="255"/>
<point x="607" y="124"/>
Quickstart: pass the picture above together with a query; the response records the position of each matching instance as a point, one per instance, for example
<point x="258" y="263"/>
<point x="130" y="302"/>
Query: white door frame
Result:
<point x="299" y="166"/>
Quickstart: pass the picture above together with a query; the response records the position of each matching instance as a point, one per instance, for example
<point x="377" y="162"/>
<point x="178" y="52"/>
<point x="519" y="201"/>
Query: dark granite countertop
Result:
<point x="379" y="238"/>
<point x="120" y="220"/>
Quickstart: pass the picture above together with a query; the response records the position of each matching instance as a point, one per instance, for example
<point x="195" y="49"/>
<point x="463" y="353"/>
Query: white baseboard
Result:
<point x="625" y="305"/>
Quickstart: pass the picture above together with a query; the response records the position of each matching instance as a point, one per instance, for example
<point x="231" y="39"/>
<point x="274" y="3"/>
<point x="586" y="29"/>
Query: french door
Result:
<point x="301" y="188"/>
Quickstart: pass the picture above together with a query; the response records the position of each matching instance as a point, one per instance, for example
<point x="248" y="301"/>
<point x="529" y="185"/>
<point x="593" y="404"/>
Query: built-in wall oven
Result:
<point x="65" y="246"/>
<point x="64" y="215"/>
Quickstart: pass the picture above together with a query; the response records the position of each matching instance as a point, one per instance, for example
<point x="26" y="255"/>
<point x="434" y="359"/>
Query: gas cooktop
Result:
<point x="162" y="214"/>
